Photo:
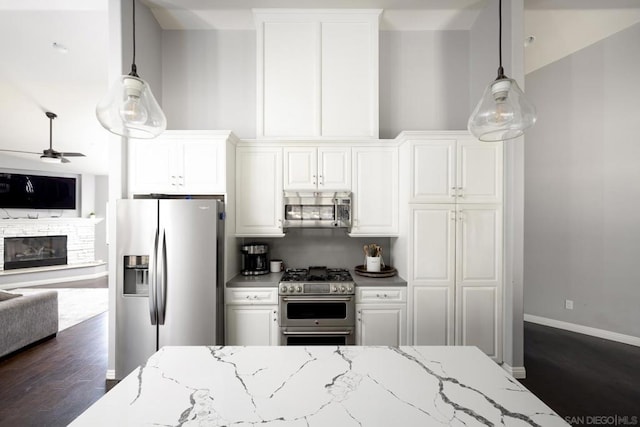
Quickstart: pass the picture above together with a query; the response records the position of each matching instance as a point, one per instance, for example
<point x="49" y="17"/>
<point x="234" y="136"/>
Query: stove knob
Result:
<point x="299" y="289"/>
<point x="335" y="289"/>
<point x="291" y="288"/>
<point x="343" y="289"/>
<point x="350" y="289"/>
<point x="283" y="289"/>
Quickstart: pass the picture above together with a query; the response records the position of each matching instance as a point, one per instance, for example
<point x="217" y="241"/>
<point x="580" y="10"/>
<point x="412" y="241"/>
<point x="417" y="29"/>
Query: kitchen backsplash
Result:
<point x="332" y="248"/>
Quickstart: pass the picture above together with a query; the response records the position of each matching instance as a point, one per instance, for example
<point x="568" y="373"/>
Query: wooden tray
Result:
<point x="386" y="271"/>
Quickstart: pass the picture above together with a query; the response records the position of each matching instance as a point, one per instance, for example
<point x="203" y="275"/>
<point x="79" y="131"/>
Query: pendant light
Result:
<point x="129" y="108"/>
<point x="503" y="112"/>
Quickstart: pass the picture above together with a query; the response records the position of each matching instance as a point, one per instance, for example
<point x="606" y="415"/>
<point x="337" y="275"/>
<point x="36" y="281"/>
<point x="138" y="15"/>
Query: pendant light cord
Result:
<point x="500" y="69"/>
<point x="134" y="69"/>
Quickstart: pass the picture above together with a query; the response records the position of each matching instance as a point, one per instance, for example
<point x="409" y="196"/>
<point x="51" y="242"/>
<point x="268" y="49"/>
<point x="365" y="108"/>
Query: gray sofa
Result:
<point x="27" y="319"/>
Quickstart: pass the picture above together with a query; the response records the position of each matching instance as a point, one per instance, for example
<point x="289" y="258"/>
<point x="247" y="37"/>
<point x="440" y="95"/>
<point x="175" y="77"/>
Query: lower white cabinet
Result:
<point x="381" y="316"/>
<point x="251" y="316"/>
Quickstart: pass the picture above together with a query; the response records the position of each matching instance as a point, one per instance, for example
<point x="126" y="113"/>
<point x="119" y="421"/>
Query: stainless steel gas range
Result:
<point x="317" y="307"/>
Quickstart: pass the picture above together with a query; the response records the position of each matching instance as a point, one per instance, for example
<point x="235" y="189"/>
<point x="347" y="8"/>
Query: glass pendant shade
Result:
<point x="502" y="113"/>
<point x="130" y="109"/>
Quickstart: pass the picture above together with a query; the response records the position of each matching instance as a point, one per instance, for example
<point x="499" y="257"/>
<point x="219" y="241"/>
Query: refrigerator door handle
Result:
<point x="162" y="288"/>
<point x="153" y="279"/>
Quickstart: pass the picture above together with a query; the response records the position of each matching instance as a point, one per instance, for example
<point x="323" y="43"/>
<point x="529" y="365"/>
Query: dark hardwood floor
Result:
<point x="580" y="376"/>
<point x="53" y="382"/>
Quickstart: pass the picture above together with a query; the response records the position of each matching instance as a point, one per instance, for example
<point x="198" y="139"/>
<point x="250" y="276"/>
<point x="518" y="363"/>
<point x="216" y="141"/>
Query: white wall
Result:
<point x="582" y="233"/>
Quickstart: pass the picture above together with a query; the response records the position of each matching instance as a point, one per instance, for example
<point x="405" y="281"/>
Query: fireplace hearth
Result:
<point x="34" y="251"/>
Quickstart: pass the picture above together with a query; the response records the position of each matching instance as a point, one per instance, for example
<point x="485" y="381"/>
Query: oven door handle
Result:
<point x="316" y="299"/>
<point x="316" y="333"/>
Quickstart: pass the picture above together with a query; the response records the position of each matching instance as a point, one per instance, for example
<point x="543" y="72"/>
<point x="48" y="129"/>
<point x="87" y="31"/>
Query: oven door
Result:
<point x="315" y="311"/>
<point x="317" y="336"/>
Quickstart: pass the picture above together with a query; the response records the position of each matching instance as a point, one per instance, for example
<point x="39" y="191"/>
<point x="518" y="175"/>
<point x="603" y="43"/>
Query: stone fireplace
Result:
<point x="34" y="251"/>
<point x="78" y="232"/>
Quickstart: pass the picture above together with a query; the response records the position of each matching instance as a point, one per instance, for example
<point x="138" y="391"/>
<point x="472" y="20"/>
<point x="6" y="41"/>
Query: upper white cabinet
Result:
<point x="322" y="168"/>
<point x="456" y="170"/>
<point x="317" y="73"/>
<point x="259" y="191"/>
<point x="178" y="162"/>
<point x="375" y="191"/>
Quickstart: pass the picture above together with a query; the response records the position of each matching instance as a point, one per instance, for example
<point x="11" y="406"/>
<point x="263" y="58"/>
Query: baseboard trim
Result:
<point x="111" y="374"/>
<point x="517" y="372"/>
<point x="586" y="330"/>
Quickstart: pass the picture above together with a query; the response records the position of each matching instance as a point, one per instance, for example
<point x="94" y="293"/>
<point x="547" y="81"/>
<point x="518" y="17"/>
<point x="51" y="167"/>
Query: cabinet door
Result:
<point x="433" y="171"/>
<point x="150" y="165"/>
<point x="202" y="168"/>
<point x="431" y="310"/>
<point x="479" y="171"/>
<point x="479" y="278"/>
<point x="349" y="79"/>
<point x="432" y="274"/>
<point x="251" y="325"/>
<point x="334" y="168"/>
<point x="375" y="191"/>
<point x="288" y="89"/>
<point x="300" y="168"/>
<point x="381" y="324"/>
<point x="259" y="191"/>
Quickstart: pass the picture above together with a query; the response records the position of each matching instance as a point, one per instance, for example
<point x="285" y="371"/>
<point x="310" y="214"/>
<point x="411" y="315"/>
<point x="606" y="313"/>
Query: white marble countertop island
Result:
<point x="319" y="386"/>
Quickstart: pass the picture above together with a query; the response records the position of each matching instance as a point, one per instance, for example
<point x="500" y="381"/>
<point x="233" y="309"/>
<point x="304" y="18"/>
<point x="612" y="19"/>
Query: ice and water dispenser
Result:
<point x="136" y="275"/>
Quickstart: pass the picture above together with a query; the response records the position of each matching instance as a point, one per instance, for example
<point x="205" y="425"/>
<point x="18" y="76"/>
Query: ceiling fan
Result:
<point x="50" y="155"/>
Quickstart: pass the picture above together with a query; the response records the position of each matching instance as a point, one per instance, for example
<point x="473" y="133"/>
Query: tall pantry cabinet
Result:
<point x="452" y="252"/>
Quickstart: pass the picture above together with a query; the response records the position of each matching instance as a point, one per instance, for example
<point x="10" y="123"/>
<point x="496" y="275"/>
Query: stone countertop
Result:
<point x="269" y="280"/>
<point x="272" y="280"/>
<point x="319" y="386"/>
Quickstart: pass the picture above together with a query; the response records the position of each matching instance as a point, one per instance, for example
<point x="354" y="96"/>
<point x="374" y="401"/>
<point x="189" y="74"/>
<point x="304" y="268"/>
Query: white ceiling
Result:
<point x="34" y="77"/>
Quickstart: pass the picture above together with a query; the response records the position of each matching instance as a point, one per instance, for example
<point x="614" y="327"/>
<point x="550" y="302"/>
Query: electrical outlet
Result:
<point x="568" y="304"/>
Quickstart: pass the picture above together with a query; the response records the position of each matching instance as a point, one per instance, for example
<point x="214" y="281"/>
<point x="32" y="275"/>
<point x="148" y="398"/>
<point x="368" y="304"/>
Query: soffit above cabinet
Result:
<point x="405" y="15"/>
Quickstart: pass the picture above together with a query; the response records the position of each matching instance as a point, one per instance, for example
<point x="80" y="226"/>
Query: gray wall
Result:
<point x="209" y="80"/>
<point x="332" y="248"/>
<point x="101" y="189"/>
<point x="582" y="232"/>
<point x="424" y="81"/>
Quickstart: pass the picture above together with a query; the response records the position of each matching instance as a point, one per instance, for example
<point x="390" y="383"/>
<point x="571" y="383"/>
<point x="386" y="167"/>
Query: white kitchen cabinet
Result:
<point x="456" y="276"/>
<point x="251" y="316"/>
<point x="178" y="162"/>
<point x="375" y="191"/>
<point x="457" y="169"/>
<point x="259" y="191"/>
<point x="381" y="316"/>
<point x="479" y="278"/>
<point x="317" y="73"/>
<point x="321" y="168"/>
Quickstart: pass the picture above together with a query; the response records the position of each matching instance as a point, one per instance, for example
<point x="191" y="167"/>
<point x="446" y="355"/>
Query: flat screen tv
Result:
<point x="22" y="191"/>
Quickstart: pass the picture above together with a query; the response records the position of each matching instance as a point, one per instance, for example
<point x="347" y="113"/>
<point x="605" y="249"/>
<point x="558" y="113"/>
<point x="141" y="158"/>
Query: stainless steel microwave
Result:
<point x="317" y="209"/>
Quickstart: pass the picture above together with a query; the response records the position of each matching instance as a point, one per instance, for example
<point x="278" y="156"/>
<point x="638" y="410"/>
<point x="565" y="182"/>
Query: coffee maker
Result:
<point x="255" y="259"/>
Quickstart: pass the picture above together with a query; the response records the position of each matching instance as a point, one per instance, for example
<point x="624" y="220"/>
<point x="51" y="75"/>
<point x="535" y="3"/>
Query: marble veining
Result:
<point x="319" y="386"/>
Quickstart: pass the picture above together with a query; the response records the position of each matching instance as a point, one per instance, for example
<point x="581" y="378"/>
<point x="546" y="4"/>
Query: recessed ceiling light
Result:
<point x="60" y="48"/>
<point x="528" y="41"/>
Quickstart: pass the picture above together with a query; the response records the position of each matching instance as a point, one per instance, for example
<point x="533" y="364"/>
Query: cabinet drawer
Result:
<point x="251" y="296"/>
<point x="378" y="295"/>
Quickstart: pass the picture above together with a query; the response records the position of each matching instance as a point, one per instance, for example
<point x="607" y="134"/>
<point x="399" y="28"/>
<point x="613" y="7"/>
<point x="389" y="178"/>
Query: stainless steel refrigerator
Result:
<point x="170" y="276"/>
